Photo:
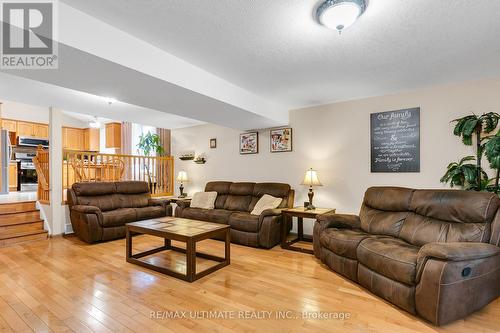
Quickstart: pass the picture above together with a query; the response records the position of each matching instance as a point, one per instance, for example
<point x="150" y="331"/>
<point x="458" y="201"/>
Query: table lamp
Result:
<point x="182" y="177"/>
<point x="311" y="179"/>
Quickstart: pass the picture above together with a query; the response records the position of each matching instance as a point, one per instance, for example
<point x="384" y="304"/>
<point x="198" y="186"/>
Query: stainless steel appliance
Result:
<point x="27" y="180"/>
<point x="25" y="141"/>
<point x="5" y="155"/>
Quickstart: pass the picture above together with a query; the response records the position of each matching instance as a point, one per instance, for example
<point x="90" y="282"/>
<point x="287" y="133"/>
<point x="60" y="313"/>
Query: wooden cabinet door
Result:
<point x="9" y="125"/>
<point x="91" y="139"/>
<point x="25" y="129"/>
<point x="41" y="131"/>
<point x="13" y="177"/>
<point x="73" y="138"/>
<point x="113" y="135"/>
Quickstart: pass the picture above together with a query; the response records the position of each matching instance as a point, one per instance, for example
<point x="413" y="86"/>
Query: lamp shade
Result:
<point x="311" y="178"/>
<point x="182" y="176"/>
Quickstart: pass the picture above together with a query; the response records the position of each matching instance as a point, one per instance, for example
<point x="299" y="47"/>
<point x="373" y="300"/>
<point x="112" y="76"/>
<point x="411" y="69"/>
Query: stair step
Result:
<point x="19" y="218"/>
<point x="16" y="228"/>
<point x="17" y="207"/>
<point x="22" y="237"/>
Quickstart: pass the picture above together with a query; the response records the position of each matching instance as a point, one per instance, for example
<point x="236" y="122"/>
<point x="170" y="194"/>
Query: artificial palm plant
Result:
<point x="469" y="176"/>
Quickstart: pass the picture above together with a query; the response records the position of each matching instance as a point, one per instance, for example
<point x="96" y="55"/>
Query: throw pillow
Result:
<point x="205" y="200"/>
<point x="266" y="202"/>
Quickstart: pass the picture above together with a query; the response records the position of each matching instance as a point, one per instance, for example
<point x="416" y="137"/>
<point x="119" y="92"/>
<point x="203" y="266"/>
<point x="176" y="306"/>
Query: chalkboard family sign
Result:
<point x="395" y="141"/>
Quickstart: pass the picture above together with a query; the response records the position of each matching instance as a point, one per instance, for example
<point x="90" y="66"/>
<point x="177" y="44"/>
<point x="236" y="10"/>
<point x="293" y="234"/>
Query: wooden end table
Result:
<point x="300" y="213"/>
<point x="183" y="230"/>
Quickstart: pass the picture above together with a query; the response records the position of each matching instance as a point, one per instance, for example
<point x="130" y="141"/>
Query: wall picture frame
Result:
<point x="280" y="140"/>
<point x="213" y="143"/>
<point x="249" y="143"/>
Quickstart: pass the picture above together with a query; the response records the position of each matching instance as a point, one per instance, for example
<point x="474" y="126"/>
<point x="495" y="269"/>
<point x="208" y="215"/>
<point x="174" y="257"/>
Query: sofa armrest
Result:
<point x="158" y="202"/>
<point x="183" y="203"/>
<point x="459" y="251"/>
<point x="453" y="252"/>
<point x="87" y="222"/>
<point x="270" y="212"/>
<point x="455" y="279"/>
<point x="332" y="220"/>
<point x="86" y="209"/>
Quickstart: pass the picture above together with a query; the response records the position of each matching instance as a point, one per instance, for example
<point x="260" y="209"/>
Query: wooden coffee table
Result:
<point x="183" y="230"/>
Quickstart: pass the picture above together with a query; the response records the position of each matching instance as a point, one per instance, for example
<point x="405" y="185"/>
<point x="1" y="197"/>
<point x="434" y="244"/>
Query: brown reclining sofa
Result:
<point x="434" y="253"/>
<point x="99" y="211"/>
<point x="233" y="205"/>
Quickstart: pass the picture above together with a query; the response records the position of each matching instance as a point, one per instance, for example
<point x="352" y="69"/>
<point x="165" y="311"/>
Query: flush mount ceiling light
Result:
<point x="94" y="123"/>
<point x="340" y="14"/>
<point x="109" y="100"/>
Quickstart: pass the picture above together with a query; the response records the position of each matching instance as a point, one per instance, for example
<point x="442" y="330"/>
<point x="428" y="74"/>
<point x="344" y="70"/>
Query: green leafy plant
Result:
<point x="149" y="143"/>
<point x="461" y="173"/>
<point x="492" y="152"/>
<point x="472" y="176"/>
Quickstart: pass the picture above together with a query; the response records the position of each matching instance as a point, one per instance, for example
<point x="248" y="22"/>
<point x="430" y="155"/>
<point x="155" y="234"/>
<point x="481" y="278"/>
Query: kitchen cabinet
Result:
<point x="25" y="128"/>
<point x="12" y="176"/>
<point x="41" y="131"/>
<point x="91" y="139"/>
<point x="35" y="130"/>
<point x="113" y="135"/>
<point x="9" y="125"/>
<point x="73" y="138"/>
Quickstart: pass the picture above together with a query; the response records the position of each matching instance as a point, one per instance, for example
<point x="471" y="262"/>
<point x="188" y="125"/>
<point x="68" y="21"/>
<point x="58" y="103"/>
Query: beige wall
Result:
<point x="335" y="140"/>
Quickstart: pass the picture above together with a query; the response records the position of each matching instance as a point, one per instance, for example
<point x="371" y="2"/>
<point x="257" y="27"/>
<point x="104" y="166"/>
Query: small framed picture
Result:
<point x="281" y="140"/>
<point x="249" y="143"/>
<point x="213" y="143"/>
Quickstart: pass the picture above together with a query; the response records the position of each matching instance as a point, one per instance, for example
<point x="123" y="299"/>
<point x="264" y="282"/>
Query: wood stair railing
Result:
<point x="41" y="163"/>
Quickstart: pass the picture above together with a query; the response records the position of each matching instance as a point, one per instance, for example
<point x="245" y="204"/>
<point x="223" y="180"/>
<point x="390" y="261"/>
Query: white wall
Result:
<point x="335" y="140"/>
<point x="33" y="113"/>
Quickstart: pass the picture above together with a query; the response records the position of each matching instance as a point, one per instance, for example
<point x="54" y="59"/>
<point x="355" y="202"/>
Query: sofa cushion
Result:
<point x="379" y="222"/>
<point x="195" y="213"/>
<point x="219" y="215"/>
<point x="132" y="187"/>
<point x="118" y="217"/>
<point x="222" y="189"/>
<point x="96" y="188"/>
<point x="150" y="212"/>
<point x="133" y="200"/>
<point x="244" y="222"/>
<point x="420" y="230"/>
<point x="391" y="257"/>
<point x="343" y="242"/>
<point x="104" y="202"/>
<point x="210" y="215"/>
<point x="448" y="205"/>
<point x="239" y="203"/>
<point x="204" y="200"/>
<point x="266" y="202"/>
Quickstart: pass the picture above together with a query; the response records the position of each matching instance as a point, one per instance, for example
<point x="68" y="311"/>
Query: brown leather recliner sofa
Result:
<point x="233" y="205"/>
<point x="434" y="253"/>
<point x="99" y="211"/>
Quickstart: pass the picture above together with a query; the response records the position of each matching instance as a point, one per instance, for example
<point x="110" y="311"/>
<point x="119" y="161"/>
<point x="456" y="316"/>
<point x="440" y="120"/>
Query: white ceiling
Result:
<point x="275" y="49"/>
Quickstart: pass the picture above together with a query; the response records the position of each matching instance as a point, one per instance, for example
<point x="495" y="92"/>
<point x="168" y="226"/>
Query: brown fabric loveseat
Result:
<point x="434" y="253"/>
<point x="99" y="211"/>
<point x="233" y="205"/>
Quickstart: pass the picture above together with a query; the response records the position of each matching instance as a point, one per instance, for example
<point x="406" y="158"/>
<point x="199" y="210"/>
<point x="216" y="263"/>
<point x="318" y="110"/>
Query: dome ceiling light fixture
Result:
<point x="340" y="14"/>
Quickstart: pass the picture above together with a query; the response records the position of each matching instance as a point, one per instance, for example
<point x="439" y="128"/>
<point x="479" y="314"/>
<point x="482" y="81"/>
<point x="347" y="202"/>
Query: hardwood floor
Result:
<point x="64" y="285"/>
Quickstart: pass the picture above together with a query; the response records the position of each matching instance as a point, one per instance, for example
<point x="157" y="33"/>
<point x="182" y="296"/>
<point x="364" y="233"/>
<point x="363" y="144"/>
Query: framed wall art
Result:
<point x="249" y="143"/>
<point x="395" y="141"/>
<point x="213" y="143"/>
<point x="281" y="140"/>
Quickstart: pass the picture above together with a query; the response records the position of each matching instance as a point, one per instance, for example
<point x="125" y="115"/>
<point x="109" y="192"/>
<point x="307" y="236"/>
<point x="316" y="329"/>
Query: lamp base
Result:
<point x="181" y="191"/>
<point x="310" y="195"/>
